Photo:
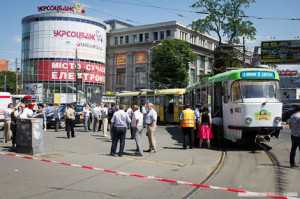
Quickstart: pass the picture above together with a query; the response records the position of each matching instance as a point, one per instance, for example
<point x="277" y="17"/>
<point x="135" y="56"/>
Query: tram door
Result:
<point x="169" y="103"/>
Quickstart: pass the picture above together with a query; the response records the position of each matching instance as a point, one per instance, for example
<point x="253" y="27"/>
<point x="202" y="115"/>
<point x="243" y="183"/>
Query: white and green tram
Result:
<point x="244" y="103"/>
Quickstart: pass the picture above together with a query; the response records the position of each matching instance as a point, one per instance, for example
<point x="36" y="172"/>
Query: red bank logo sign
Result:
<point x="74" y="34"/>
<point x="76" y="8"/>
<point x="49" y="70"/>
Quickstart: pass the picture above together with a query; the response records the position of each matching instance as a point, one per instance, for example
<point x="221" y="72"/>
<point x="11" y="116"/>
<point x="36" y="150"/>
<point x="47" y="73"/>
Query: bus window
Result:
<point x="259" y="89"/>
<point x="235" y="91"/>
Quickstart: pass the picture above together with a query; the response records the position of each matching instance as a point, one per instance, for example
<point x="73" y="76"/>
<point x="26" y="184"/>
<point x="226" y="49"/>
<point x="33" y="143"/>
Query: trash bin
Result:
<point x="30" y="136"/>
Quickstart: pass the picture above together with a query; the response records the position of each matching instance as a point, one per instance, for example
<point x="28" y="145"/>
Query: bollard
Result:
<point x="30" y="136"/>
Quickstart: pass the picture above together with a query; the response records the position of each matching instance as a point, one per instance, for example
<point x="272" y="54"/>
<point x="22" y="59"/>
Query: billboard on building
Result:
<point x="280" y="52"/>
<point x="121" y="59"/>
<point x="35" y="89"/>
<point x="51" y="70"/>
<point x="3" y="65"/>
<point x="60" y="39"/>
<point x="140" y="58"/>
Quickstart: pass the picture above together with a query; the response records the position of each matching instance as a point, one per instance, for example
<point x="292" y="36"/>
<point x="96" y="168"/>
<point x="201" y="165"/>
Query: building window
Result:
<point x="134" y="38"/>
<point x="141" y="37"/>
<point x="121" y="40"/>
<point x="155" y="36"/>
<point x="162" y="35"/>
<point x="140" y="77"/>
<point x="193" y="75"/>
<point x="146" y="36"/>
<point x="202" y="63"/>
<point x="116" y="41"/>
<point x="168" y="33"/>
<point x="126" y="39"/>
<point x="193" y="39"/>
<point x="120" y="79"/>
<point x="183" y="35"/>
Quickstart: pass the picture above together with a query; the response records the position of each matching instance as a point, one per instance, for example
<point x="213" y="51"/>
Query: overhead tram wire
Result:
<point x="141" y="4"/>
<point x="102" y="11"/>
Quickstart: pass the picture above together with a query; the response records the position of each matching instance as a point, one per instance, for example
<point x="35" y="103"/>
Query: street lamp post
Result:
<point x="76" y="75"/>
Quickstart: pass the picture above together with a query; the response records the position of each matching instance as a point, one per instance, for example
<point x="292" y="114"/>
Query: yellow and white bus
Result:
<point x="168" y="102"/>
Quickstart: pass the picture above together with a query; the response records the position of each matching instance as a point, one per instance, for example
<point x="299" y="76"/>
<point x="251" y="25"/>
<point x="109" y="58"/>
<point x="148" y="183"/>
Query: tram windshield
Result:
<point x="254" y="89"/>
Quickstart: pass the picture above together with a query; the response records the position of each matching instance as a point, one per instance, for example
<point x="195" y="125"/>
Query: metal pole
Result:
<point x="5" y="85"/>
<point x="244" y="51"/>
<point x="76" y="76"/>
<point x="17" y="83"/>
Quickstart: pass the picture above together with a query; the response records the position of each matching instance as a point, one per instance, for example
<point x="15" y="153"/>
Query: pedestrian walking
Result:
<point x="150" y="121"/>
<point x="96" y="111"/>
<point x="205" y="133"/>
<point x="137" y="128"/>
<point x="129" y="111"/>
<point x="111" y="111"/>
<point x="70" y="120"/>
<point x="13" y="125"/>
<point x="120" y="122"/>
<point x="86" y="116"/>
<point x="294" y="123"/>
<point x="104" y="116"/>
<point x="100" y="121"/>
<point x="7" y="123"/>
<point x="197" y="126"/>
<point x="187" y="123"/>
<point x="44" y="107"/>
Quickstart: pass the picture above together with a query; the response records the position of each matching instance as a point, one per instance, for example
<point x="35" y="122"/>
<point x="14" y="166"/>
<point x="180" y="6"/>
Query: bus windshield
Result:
<point x="254" y="89"/>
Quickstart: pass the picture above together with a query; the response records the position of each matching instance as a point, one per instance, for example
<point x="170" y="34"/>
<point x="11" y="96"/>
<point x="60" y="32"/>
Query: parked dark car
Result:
<point x="79" y="117"/>
<point x="55" y="117"/>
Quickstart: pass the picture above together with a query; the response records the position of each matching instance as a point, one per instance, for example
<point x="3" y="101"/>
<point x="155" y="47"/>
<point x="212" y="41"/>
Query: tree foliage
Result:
<point x="170" y="64"/>
<point x="10" y="81"/>
<point x="226" y="18"/>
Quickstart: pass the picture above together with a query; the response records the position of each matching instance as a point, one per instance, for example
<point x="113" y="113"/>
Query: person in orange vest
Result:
<point x="187" y="123"/>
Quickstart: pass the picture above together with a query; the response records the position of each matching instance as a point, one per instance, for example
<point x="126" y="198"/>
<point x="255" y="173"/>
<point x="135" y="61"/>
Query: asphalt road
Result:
<point x="243" y="168"/>
<point x="252" y="170"/>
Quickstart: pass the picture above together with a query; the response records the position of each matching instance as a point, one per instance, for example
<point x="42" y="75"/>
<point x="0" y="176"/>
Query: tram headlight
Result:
<point x="277" y="120"/>
<point x="248" y="120"/>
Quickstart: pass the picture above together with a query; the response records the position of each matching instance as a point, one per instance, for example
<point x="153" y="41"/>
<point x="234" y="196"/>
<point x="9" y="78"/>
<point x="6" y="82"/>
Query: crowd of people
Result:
<point x="196" y="125"/>
<point x="116" y="120"/>
<point x="99" y="117"/>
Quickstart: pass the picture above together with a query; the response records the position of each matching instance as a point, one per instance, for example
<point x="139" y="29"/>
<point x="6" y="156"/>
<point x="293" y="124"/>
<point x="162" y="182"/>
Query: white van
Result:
<point x="5" y="100"/>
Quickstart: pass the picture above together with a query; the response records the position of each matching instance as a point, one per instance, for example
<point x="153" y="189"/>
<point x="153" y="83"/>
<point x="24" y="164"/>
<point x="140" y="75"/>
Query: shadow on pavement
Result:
<point x="175" y="148"/>
<point x="175" y="133"/>
<point x="62" y="137"/>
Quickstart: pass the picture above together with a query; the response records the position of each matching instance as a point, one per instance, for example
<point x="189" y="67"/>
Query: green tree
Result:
<point x="170" y="64"/>
<point x="226" y="18"/>
<point x="10" y="81"/>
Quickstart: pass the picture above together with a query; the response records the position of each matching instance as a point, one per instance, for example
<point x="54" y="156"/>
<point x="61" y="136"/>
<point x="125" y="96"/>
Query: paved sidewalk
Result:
<point x="171" y="161"/>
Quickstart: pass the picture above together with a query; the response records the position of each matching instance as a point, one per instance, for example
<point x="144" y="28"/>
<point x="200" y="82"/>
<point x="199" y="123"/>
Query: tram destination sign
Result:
<point x="280" y="52"/>
<point x="257" y="75"/>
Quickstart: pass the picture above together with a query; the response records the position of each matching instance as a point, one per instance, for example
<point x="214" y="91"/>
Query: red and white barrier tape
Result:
<point x="240" y="191"/>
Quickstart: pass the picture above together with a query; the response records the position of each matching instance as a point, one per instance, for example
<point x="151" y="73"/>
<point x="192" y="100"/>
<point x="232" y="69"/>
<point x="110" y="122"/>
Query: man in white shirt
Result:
<point x="104" y="116"/>
<point x="96" y="111"/>
<point x="25" y="112"/>
<point x="7" y="118"/>
<point x="86" y="113"/>
<point x="151" y="120"/>
<point x="120" y="122"/>
<point x="137" y="128"/>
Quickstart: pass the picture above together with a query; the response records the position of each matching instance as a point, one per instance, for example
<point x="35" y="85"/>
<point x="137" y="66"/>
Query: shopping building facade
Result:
<point x="129" y="51"/>
<point x="63" y="55"/>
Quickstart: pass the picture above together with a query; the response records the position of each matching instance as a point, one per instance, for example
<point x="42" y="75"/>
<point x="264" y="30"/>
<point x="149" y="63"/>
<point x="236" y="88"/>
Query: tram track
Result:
<point x="211" y="174"/>
<point x="280" y="175"/>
